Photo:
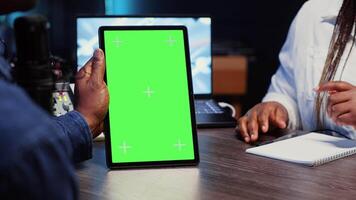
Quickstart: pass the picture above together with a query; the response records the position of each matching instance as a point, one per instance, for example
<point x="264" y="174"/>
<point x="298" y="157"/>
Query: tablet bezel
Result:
<point x="166" y="163"/>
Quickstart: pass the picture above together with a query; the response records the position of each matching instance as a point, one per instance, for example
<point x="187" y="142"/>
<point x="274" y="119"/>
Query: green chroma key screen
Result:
<point x="149" y="111"/>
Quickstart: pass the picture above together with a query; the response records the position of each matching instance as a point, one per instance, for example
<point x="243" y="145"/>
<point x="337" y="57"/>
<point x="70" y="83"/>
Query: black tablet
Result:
<point x="151" y="118"/>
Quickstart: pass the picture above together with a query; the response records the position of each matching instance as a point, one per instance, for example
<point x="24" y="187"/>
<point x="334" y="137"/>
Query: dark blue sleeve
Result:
<point x="37" y="151"/>
<point x="74" y="128"/>
<point x="40" y="171"/>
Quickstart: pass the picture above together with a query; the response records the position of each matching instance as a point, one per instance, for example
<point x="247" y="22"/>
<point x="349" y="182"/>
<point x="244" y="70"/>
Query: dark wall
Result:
<point x="61" y="14"/>
<point x="258" y="25"/>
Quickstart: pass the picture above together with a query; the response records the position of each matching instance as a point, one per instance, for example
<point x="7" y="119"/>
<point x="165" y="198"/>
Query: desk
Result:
<point x="224" y="172"/>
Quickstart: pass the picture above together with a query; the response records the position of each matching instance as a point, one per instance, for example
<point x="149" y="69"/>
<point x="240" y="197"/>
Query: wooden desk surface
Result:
<point x="225" y="172"/>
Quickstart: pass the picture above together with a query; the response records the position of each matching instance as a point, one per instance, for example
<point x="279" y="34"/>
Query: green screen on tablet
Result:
<point x="150" y="110"/>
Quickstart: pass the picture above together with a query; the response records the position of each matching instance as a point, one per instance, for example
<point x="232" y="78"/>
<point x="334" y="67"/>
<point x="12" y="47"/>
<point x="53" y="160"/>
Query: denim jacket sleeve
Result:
<point x="74" y="126"/>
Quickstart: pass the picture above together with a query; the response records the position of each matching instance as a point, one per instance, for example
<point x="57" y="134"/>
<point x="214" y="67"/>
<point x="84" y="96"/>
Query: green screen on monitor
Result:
<point x="150" y="110"/>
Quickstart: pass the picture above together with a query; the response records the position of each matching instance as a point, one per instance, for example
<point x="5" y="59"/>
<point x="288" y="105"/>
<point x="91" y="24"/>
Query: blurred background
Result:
<point x="253" y="29"/>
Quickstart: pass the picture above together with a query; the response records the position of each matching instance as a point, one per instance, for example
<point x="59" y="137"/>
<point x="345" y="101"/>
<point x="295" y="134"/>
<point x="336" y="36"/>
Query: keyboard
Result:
<point x="207" y="107"/>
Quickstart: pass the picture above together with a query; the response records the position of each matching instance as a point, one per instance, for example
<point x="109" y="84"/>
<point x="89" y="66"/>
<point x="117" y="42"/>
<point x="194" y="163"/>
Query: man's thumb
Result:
<point x="98" y="67"/>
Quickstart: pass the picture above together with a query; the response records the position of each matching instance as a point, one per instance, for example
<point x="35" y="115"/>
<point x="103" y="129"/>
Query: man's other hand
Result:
<point x="91" y="92"/>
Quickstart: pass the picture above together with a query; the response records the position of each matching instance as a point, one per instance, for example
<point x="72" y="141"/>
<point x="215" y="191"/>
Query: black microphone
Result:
<point x="33" y="69"/>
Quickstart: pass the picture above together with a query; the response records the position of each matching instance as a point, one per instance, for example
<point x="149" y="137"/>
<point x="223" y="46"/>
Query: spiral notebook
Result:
<point x="311" y="149"/>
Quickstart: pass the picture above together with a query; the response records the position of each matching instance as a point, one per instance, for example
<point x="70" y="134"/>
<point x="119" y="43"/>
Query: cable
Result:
<point x="224" y="105"/>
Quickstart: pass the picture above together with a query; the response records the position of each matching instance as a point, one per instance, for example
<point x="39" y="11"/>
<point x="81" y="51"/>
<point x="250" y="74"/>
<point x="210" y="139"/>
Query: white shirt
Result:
<point x="302" y="61"/>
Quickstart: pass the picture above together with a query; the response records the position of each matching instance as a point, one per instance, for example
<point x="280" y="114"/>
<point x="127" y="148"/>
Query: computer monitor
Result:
<point x="199" y="33"/>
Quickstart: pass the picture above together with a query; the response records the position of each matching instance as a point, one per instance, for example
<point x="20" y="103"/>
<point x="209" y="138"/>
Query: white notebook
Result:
<point x="311" y="149"/>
